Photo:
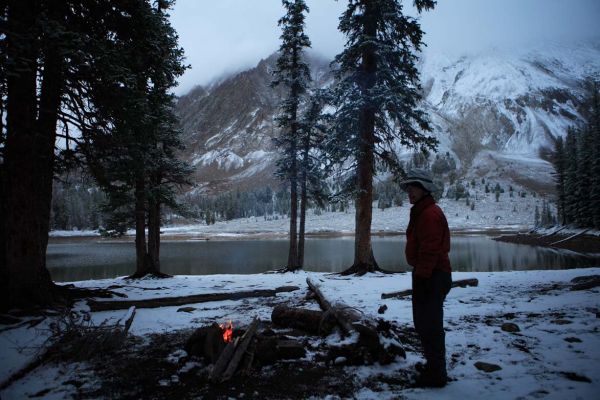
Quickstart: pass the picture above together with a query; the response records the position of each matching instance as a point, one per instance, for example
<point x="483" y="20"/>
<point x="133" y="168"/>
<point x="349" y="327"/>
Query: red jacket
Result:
<point x="427" y="238"/>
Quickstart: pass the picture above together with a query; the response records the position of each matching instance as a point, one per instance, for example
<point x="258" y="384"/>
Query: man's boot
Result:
<point x="432" y="377"/>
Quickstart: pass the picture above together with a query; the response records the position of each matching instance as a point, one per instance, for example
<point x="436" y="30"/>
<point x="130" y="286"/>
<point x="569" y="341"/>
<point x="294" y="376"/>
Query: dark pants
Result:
<point x="428" y="315"/>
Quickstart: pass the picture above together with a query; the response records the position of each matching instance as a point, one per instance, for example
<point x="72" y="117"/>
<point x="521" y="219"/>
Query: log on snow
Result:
<point x="350" y="320"/>
<point x="177" y="301"/>
<point x="403" y="293"/>
<point x="345" y="316"/>
<point x="312" y="321"/>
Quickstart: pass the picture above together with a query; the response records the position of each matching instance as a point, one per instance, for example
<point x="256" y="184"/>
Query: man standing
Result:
<point x="427" y="247"/>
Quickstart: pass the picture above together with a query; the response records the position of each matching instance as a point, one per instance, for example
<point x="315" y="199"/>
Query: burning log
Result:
<point x="206" y="342"/>
<point x="178" y="301"/>
<point x="403" y="293"/>
<point x="240" y="351"/>
<point x="230" y="357"/>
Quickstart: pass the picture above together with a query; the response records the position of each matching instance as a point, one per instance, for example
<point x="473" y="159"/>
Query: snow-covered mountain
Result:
<point x="494" y="112"/>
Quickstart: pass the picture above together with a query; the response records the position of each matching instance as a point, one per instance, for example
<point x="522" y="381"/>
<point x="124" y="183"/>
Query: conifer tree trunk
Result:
<point x="140" y="228"/>
<point x="303" y="200"/>
<point x="50" y="100"/>
<point x="154" y="236"/>
<point x="4" y="299"/>
<point x="364" y="261"/>
<point x="293" y="251"/>
<point x="29" y="155"/>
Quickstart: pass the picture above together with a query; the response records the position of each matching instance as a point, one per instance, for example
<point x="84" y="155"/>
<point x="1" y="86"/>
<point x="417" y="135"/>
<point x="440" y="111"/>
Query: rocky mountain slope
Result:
<point x="495" y="113"/>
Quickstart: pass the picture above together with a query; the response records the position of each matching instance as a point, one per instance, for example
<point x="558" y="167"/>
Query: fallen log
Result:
<point x="345" y="316"/>
<point x="191" y="299"/>
<point x="554" y="232"/>
<point x="585" y="282"/>
<point x="403" y="293"/>
<point x="569" y="238"/>
<point x="311" y="321"/>
<point x="369" y="347"/>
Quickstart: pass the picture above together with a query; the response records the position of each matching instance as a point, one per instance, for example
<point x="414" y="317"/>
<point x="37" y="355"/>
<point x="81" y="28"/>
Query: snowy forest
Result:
<point x="104" y="150"/>
<point x="576" y="161"/>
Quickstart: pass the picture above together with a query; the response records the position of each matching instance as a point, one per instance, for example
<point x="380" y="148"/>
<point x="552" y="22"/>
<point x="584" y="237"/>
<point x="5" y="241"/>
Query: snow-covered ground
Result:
<point x="555" y="355"/>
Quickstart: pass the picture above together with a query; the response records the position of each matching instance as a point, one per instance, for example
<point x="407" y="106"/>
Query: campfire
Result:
<point x="227" y="331"/>
<point x="239" y="351"/>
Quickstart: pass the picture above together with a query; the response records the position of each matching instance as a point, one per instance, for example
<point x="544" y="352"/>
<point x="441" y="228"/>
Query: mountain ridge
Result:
<point x="507" y="106"/>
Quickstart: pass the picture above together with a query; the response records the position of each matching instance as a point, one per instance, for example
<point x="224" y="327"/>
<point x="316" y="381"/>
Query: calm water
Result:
<point x="95" y="260"/>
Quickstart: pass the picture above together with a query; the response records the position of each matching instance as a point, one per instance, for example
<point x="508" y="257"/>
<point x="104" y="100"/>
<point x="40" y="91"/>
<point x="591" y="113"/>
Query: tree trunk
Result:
<point x="4" y="303"/>
<point x="364" y="261"/>
<point x="154" y="236"/>
<point x="27" y="152"/>
<point x="303" y="201"/>
<point x="292" y="263"/>
<point x="50" y="100"/>
<point x="140" y="228"/>
<point x="190" y="299"/>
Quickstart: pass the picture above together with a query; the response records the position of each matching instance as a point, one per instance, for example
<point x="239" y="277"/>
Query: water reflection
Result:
<point x="95" y="260"/>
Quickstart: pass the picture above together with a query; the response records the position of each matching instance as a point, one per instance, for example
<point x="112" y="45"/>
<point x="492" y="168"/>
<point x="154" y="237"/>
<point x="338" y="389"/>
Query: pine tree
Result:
<point x="312" y="177"/>
<point x="376" y="103"/>
<point x="35" y="43"/>
<point x="571" y="179"/>
<point x="294" y="74"/>
<point x="133" y="156"/>
<point x="594" y="128"/>
<point x="558" y="159"/>
<point x="583" y="211"/>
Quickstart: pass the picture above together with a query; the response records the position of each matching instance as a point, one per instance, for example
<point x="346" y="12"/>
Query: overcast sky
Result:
<point x="224" y="36"/>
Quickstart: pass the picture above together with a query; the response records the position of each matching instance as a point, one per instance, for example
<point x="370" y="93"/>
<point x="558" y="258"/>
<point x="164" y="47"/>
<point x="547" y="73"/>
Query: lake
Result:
<point x="97" y="259"/>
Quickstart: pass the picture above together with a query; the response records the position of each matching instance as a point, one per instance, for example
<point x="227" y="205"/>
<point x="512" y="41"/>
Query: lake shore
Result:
<point x="84" y="236"/>
<point x="584" y="243"/>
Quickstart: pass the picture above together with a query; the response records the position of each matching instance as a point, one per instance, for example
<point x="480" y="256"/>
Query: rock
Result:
<point x="572" y="340"/>
<point x="573" y="376"/>
<point x="290" y="349"/>
<point x="561" y="321"/>
<point x="510" y="327"/>
<point x="487" y="367"/>
<point x="382" y="309"/>
<point x="186" y="309"/>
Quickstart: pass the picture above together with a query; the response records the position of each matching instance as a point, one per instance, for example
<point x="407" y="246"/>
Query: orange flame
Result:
<point x="227" y="331"/>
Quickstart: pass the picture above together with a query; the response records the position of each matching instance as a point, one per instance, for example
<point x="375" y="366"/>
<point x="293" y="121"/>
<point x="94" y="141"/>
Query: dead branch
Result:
<point x="177" y="301"/>
<point x="569" y="238"/>
<point x="403" y="293"/>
